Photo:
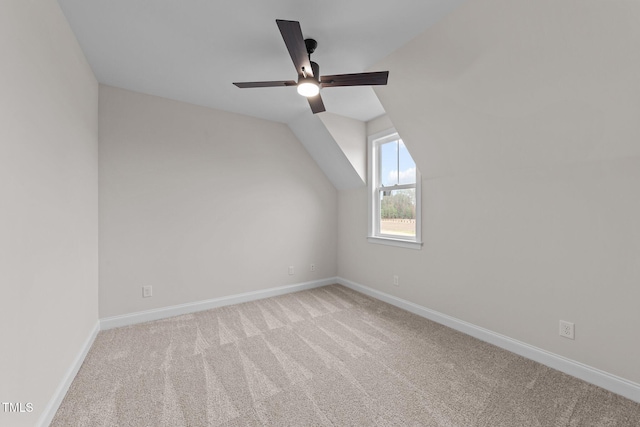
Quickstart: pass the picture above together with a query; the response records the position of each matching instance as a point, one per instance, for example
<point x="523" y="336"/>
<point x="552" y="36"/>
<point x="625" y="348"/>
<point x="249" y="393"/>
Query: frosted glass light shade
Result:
<point x="308" y="87"/>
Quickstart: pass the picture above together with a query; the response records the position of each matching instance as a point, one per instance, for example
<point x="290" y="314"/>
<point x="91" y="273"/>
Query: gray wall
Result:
<point x="523" y="119"/>
<point x="201" y="203"/>
<point x="48" y="203"/>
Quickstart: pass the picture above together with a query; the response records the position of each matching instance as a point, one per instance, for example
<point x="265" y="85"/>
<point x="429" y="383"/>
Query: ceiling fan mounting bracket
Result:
<point x="311" y="46"/>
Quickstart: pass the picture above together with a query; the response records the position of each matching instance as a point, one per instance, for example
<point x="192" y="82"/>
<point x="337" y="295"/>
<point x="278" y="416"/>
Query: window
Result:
<point x="394" y="192"/>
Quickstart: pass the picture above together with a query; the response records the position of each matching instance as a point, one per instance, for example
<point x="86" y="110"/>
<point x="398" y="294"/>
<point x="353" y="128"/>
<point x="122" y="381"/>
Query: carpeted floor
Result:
<point x="328" y="356"/>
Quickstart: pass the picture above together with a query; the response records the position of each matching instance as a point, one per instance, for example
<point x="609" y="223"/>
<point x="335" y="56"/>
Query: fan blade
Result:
<point x="316" y="104"/>
<point x="358" y="79"/>
<point x="276" y="83"/>
<point x="292" y="36"/>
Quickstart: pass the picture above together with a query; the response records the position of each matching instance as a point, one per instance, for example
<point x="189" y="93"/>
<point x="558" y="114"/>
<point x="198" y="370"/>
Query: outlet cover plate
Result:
<point x="567" y="329"/>
<point x="147" y="291"/>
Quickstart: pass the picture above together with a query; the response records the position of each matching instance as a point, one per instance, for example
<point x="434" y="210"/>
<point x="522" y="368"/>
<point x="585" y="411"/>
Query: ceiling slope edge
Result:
<point x="326" y="151"/>
<point x="351" y="136"/>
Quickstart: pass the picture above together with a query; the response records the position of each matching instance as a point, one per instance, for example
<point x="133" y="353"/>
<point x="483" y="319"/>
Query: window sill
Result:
<point x="409" y="244"/>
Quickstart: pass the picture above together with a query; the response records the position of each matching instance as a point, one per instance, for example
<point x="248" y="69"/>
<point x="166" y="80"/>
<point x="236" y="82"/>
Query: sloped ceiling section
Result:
<point x="351" y="136"/>
<point x="547" y="82"/>
<point x="192" y="50"/>
<point x="324" y="149"/>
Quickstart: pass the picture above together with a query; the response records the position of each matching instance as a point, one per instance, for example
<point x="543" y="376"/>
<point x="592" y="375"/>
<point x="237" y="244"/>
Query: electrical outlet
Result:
<point x="291" y="270"/>
<point x="396" y="281"/>
<point x="567" y="329"/>
<point x="312" y="267"/>
<point x="147" y="291"/>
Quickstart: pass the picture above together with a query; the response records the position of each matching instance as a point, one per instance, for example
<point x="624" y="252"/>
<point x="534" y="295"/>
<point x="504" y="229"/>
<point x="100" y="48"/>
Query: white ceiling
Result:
<point x="192" y="50"/>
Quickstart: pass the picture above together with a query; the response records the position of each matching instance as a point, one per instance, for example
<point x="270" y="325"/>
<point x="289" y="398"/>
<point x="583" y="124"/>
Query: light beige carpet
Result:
<point x="324" y="357"/>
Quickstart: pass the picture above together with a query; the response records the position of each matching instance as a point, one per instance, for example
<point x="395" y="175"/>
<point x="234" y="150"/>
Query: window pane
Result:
<point x="389" y="163"/>
<point x="396" y="164"/>
<point x="407" y="173"/>
<point x="398" y="212"/>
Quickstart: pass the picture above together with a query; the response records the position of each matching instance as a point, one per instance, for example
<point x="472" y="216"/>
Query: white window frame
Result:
<point x="374" y="185"/>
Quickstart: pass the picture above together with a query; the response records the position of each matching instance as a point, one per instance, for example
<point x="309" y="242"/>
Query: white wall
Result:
<point x="201" y="203"/>
<point x="523" y="119"/>
<point x="48" y="203"/>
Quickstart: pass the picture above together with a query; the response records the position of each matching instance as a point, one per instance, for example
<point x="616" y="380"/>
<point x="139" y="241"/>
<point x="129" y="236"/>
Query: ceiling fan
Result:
<point x="309" y="79"/>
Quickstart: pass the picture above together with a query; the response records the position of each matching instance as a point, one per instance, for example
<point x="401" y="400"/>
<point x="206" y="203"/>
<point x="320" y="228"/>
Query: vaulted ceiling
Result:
<point x="192" y="50"/>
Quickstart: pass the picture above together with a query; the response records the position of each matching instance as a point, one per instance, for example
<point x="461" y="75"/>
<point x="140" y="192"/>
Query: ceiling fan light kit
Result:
<point x="308" y="86"/>
<point x="309" y="79"/>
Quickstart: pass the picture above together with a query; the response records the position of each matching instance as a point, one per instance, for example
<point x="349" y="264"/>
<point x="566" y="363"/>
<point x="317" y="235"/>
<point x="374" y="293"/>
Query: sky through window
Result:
<point x="397" y="166"/>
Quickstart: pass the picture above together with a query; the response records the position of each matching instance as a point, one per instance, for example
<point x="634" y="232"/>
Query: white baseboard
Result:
<point x="613" y="383"/>
<point x="50" y="410"/>
<point x="192" y="307"/>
